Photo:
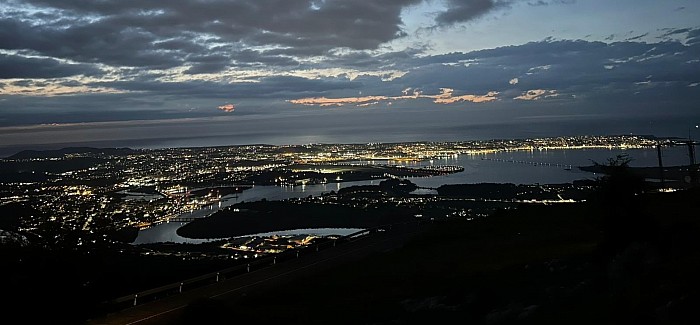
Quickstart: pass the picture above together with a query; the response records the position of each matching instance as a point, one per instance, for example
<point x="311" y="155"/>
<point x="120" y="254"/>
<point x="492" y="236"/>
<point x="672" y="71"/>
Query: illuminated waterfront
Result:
<point x="166" y="232"/>
<point x="518" y="167"/>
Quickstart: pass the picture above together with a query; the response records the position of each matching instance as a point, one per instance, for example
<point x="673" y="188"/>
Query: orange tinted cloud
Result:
<point x="490" y="96"/>
<point x="535" y="94"/>
<point x="228" y="108"/>
<point x="323" y="101"/>
<point x="444" y="97"/>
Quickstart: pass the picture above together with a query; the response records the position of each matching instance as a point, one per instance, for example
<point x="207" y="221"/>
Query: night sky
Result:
<point x="162" y="72"/>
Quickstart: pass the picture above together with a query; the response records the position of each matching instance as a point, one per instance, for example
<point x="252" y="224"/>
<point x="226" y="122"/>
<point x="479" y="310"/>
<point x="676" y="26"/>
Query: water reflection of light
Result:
<point x="476" y="171"/>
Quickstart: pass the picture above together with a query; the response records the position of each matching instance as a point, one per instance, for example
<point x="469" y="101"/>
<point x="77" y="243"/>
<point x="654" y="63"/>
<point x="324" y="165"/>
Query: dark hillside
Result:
<point x="535" y="265"/>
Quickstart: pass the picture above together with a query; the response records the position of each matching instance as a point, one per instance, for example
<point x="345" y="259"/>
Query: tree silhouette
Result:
<point x="617" y="206"/>
<point x="628" y="249"/>
<point x="620" y="184"/>
<point x="616" y="196"/>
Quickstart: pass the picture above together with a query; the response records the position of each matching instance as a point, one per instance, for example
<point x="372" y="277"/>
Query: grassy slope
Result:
<point x="537" y="264"/>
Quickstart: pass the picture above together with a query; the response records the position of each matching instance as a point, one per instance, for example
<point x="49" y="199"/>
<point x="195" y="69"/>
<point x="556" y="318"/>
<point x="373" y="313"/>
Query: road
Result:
<point x="169" y="309"/>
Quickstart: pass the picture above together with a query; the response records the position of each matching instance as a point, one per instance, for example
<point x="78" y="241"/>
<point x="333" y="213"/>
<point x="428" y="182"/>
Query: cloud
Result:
<point x="162" y="34"/>
<point x="489" y="97"/>
<point x="460" y="11"/>
<point x="370" y="104"/>
<point x="204" y="37"/>
<point x="444" y="97"/>
<point x="415" y="80"/>
<point x="542" y="67"/>
<point x="45" y="88"/>
<point x="323" y="101"/>
<point x="536" y="94"/>
<point x="540" y="3"/>
<point x="228" y="108"/>
<point x="17" y="66"/>
<point x="264" y="87"/>
<point x="634" y="38"/>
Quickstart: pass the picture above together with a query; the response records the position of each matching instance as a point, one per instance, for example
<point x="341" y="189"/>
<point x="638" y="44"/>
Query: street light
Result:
<point x="690" y="128"/>
<point x="691" y="154"/>
<point x="691" y="145"/>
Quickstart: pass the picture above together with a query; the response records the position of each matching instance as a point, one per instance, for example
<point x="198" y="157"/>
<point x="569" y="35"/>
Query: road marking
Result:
<point x="156" y="315"/>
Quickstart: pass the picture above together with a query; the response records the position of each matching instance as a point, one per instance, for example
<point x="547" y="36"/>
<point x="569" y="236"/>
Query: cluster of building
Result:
<point x="147" y="186"/>
<point x="268" y="244"/>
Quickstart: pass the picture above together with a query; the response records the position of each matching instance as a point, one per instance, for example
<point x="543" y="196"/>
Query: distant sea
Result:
<point x="543" y="166"/>
<point x="385" y="126"/>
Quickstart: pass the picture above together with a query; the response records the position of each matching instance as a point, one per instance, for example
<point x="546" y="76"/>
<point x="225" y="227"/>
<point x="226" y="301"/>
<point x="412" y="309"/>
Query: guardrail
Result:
<point x="214" y="277"/>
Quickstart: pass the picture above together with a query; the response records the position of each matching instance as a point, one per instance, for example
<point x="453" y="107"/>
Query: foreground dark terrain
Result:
<point x="611" y="250"/>
<point x="634" y="262"/>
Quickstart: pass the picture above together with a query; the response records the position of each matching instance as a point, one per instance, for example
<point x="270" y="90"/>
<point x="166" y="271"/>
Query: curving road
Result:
<point x="168" y="310"/>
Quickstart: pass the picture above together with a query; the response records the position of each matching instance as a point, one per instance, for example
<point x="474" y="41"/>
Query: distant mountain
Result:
<point x="30" y="154"/>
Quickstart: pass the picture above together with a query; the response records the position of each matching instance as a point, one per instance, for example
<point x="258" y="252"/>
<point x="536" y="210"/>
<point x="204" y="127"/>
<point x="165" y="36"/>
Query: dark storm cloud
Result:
<point x="15" y="66"/>
<point x="206" y="67"/>
<point x="581" y="68"/>
<point x="94" y="43"/>
<point x="573" y="70"/>
<point x="179" y="44"/>
<point x="540" y="3"/>
<point x="25" y="83"/>
<point x="590" y="65"/>
<point x="163" y="34"/>
<point x="675" y="31"/>
<point x="221" y="60"/>
<point x="268" y="87"/>
<point x="693" y="36"/>
<point x="306" y="51"/>
<point x="275" y="87"/>
<point x="459" y="11"/>
<point x="578" y="65"/>
<point x="207" y="63"/>
<point x="251" y="56"/>
<point x="390" y="60"/>
<point x="636" y="37"/>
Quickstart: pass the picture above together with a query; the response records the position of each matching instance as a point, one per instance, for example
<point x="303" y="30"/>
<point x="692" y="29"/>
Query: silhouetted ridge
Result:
<point x="30" y="154"/>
